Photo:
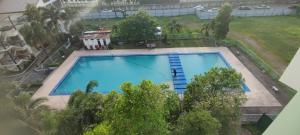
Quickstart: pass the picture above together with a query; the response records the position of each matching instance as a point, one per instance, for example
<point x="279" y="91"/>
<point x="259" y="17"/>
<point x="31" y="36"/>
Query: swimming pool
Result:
<point x="112" y="71"/>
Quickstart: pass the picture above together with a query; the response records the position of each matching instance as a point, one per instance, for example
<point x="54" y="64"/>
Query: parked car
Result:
<point x="199" y="7"/>
<point x="263" y="6"/>
<point x="244" y="8"/>
<point x="213" y="10"/>
<point x="106" y="10"/>
<point x="158" y="31"/>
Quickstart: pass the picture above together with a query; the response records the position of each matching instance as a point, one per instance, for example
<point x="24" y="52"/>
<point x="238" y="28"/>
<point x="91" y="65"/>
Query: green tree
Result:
<point x="197" y="122"/>
<point x="35" y="35"/>
<point x="76" y="29"/>
<point x="90" y="86"/>
<point x="218" y="91"/>
<point x="172" y="106"/>
<point x="207" y="27"/>
<point x="49" y="122"/>
<point x="84" y="111"/>
<point x="140" y="110"/>
<point x="139" y="27"/>
<point x="102" y="129"/>
<point x="221" y="26"/>
<point x="50" y="16"/>
<point x="70" y="13"/>
<point x="174" y="26"/>
<point x="29" y="110"/>
<point x="33" y="13"/>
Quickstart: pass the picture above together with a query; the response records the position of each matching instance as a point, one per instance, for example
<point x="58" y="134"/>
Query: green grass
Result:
<point x="279" y="34"/>
<point x="190" y="23"/>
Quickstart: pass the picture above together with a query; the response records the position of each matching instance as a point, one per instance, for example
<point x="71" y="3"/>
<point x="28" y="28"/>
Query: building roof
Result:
<point x="288" y="121"/>
<point x="99" y="34"/>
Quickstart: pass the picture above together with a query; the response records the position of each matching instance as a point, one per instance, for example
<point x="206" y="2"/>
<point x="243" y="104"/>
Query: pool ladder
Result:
<point x="179" y="81"/>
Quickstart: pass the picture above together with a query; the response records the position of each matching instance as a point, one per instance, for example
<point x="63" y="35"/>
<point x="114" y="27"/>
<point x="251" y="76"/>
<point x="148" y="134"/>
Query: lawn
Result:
<point x="279" y="34"/>
<point x="190" y="23"/>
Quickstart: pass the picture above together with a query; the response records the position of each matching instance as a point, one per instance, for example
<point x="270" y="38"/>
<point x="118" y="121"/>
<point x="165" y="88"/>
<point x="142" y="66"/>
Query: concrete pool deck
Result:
<point x="258" y="96"/>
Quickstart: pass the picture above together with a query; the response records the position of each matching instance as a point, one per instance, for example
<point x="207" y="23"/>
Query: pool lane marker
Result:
<point x="179" y="81"/>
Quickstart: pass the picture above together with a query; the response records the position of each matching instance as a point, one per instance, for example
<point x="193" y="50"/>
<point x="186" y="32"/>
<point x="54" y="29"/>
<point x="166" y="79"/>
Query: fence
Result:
<point x="248" y="13"/>
<point x="159" y="12"/>
<point x="177" y="10"/>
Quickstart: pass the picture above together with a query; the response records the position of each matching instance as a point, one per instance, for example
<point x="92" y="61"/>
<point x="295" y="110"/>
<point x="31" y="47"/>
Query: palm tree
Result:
<point x="174" y="26"/>
<point x="50" y="16"/>
<point x="33" y="13"/>
<point x="207" y="27"/>
<point x="90" y="86"/>
<point x="28" y="110"/>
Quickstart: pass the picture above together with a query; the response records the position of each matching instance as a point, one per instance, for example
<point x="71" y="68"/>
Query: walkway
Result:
<point x="179" y="80"/>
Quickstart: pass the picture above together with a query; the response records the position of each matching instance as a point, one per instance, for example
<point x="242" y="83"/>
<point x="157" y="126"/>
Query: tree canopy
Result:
<point x="221" y="22"/>
<point x="197" y="122"/>
<point x="210" y="107"/>
<point x="139" y="27"/>
<point x="140" y="110"/>
<point x="218" y="91"/>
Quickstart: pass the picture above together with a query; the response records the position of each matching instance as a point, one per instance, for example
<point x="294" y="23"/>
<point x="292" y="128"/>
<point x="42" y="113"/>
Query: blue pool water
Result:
<point x="195" y="64"/>
<point x="111" y="71"/>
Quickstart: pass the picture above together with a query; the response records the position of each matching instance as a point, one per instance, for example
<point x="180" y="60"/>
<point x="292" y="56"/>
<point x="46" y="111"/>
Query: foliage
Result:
<point x="139" y="27"/>
<point x="298" y="10"/>
<point x="84" y="111"/>
<point x="42" y="29"/>
<point x="140" y="110"/>
<point x="70" y="13"/>
<point x="172" y="106"/>
<point x="218" y="91"/>
<point x="90" y="86"/>
<point x="77" y="28"/>
<point x="32" y="13"/>
<point x="221" y="22"/>
<point x="29" y="110"/>
<point x="35" y="35"/>
<point x="207" y="27"/>
<point x="49" y="122"/>
<point x="197" y="122"/>
<point x="174" y="26"/>
<point x="102" y="129"/>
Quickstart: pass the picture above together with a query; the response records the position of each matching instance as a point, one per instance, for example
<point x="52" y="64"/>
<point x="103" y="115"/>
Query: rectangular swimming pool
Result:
<point x="112" y="71"/>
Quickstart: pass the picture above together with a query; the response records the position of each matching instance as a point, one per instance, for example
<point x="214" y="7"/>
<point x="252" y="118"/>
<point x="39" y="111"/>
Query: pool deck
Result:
<point x="258" y="96"/>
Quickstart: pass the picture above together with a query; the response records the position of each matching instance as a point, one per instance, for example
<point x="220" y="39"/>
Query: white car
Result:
<point x="199" y="7"/>
<point x="263" y="6"/>
<point x="158" y="31"/>
<point x="213" y="10"/>
<point x="106" y="10"/>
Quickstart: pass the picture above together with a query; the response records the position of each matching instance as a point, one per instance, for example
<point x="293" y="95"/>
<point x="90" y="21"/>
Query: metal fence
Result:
<point x="249" y="13"/>
<point x="177" y="11"/>
<point x="159" y="12"/>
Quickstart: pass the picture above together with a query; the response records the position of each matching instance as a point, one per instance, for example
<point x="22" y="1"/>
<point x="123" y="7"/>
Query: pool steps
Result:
<point x="179" y="81"/>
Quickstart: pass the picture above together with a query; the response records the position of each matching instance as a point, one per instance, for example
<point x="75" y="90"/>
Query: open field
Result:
<point x="275" y="39"/>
